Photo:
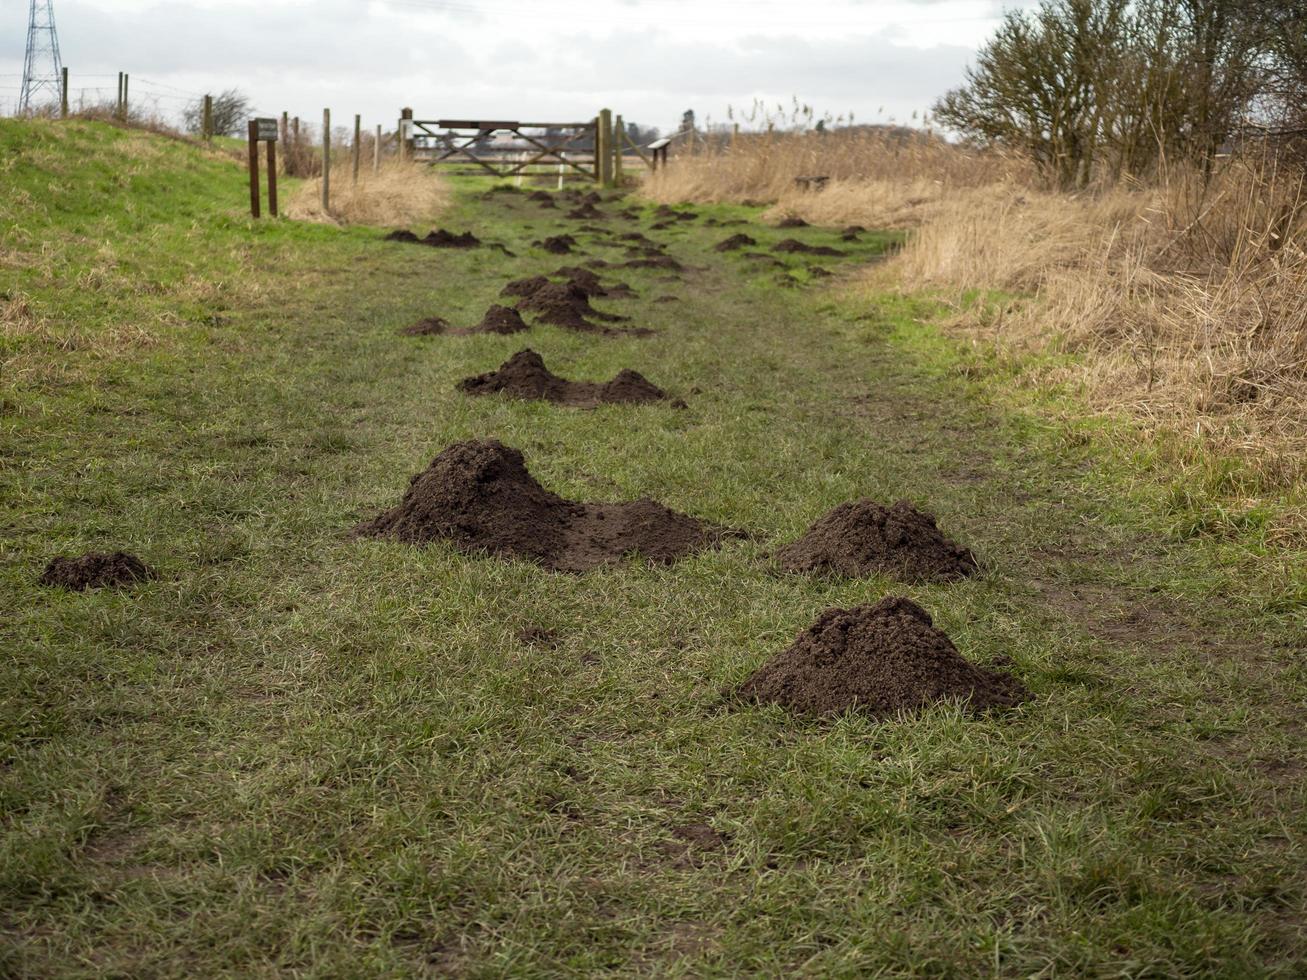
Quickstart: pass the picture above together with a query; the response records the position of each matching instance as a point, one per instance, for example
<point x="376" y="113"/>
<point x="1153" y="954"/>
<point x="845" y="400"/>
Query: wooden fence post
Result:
<point x="124" y="110"/>
<point x="326" y="160"/>
<point x="272" y="178"/>
<point x="619" y="134"/>
<point x="208" y="117"/>
<point x="253" y="137"/>
<point x="63" y="93"/>
<point x="358" y="133"/>
<point x="284" y="132"/>
<point x="598" y="150"/>
<point x="405" y="137"/>
<point x="376" y="151"/>
<point x="605" y="137"/>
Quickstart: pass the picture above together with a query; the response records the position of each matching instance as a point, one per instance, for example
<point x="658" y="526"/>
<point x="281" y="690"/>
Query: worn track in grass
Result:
<point x="296" y="750"/>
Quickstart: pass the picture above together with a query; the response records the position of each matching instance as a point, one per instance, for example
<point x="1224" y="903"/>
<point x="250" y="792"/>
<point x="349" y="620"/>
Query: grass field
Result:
<point x="298" y="752"/>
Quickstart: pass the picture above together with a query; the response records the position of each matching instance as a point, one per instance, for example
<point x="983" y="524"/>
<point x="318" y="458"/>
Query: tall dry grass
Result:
<point x="1186" y="300"/>
<point x="399" y="194"/>
<point x="882" y="176"/>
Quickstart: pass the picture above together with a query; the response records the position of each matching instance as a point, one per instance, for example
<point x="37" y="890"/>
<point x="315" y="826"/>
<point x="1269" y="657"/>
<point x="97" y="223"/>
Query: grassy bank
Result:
<point x="297" y="751"/>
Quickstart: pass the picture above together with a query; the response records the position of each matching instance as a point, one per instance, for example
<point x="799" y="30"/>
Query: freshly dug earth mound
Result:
<point x="791" y="221"/>
<point x="880" y="660"/>
<point x="588" y="281"/>
<point x="861" y="538"/>
<point x="586" y="212"/>
<point x="792" y="245"/>
<point x="437" y="239"/>
<point x="524" y="375"/>
<point x="524" y="287"/>
<point x="427" y="326"/>
<point x="502" y="320"/>
<point x="540" y="196"/>
<point x="851" y="233"/>
<point x="498" y="319"/>
<point x="565" y="304"/>
<point x="95" y="570"/>
<point x="479" y="496"/>
<point x="652" y="262"/>
<point x="558" y="244"/>
<point x="735" y="242"/>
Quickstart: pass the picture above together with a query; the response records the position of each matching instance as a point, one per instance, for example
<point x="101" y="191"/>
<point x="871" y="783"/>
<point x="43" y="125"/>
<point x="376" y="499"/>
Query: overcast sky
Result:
<point x="548" y="60"/>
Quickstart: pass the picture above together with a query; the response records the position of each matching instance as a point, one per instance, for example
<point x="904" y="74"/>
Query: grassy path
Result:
<point x="300" y="752"/>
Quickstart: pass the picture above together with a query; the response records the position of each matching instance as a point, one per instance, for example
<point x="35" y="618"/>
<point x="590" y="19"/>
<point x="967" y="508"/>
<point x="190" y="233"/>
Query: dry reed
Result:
<point x="399" y="194"/>
<point x="1185" y="301"/>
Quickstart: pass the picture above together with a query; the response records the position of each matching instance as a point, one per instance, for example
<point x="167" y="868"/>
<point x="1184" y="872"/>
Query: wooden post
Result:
<point x="326" y="160"/>
<point x="272" y="178"/>
<point x="63" y="93"/>
<point x="118" y="105"/>
<point x="208" y="117"/>
<point x="284" y="128"/>
<point x="358" y="133"/>
<point x="598" y="150"/>
<point x="605" y="148"/>
<point x="124" y="110"/>
<point x="376" y="151"/>
<point x="406" y="138"/>
<point x="253" y="138"/>
<point x="619" y="139"/>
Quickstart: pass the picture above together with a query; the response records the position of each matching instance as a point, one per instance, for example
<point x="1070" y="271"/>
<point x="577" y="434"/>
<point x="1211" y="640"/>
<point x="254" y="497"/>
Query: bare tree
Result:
<point x="231" y="111"/>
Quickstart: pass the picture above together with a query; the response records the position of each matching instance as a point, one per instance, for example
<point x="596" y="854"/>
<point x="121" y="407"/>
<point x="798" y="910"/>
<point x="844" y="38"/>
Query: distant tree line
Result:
<point x="1103" y="88"/>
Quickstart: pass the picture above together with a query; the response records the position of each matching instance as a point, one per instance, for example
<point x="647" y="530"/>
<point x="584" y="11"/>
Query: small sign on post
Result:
<point x="263" y="130"/>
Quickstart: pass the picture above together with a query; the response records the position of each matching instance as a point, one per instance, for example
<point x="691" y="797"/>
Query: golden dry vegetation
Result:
<point x="1184" y="299"/>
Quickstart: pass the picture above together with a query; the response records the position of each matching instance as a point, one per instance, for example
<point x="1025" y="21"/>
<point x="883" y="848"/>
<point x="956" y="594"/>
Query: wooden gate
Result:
<point x="508" y="148"/>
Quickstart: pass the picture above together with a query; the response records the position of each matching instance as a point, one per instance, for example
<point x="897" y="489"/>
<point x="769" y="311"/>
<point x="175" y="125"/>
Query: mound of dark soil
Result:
<point x="426" y="327"/>
<point x="438" y="238"/>
<point x="524" y="287"/>
<point x="861" y="537"/>
<point x="558" y="244"/>
<point x="498" y="319"/>
<point x="586" y="212"/>
<point x="851" y="233"/>
<point x="479" y="496"/>
<point x="735" y="242"/>
<point x="880" y="659"/>
<point x="96" y="570"/>
<point x="662" y="225"/>
<point x="565" y="304"/>
<point x="659" y="261"/>
<point x="540" y="196"/>
<point x="501" y="320"/>
<point x="587" y="280"/>
<point x="793" y="245"/>
<point x="524" y="375"/>
<point x="791" y="221"/>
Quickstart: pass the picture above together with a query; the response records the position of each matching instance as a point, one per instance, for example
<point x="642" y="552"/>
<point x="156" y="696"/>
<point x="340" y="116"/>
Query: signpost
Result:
<point x="263" y="130"/>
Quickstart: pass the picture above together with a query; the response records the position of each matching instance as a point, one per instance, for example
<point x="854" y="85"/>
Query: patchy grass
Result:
<point x="300" y="752"/>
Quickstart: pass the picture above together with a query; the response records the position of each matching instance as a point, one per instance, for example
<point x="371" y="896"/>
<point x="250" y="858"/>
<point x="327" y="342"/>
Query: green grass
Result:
<point x="298" y="752"/>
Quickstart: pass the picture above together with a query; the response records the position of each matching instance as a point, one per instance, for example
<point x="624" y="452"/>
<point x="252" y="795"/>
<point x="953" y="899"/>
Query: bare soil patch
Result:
<point x="524" y="375"/>
<point x="793" y="245"/>
<point x="860" y="538"/>
<point x="735" y="242"/>
<point x="558" y="244"/>
<point x="879" y="660"/>
<point x="96" y="570"/>
<point x="478" y="496"/>
<point x="791" y="221"/>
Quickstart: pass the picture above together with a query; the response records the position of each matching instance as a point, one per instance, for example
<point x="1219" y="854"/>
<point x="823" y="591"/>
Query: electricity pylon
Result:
<point x="42" y="67"/>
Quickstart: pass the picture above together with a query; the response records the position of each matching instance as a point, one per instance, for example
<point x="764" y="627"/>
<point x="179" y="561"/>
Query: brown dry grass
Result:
<point x="1185" y="302"/>
<point x="400" y="194"/>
